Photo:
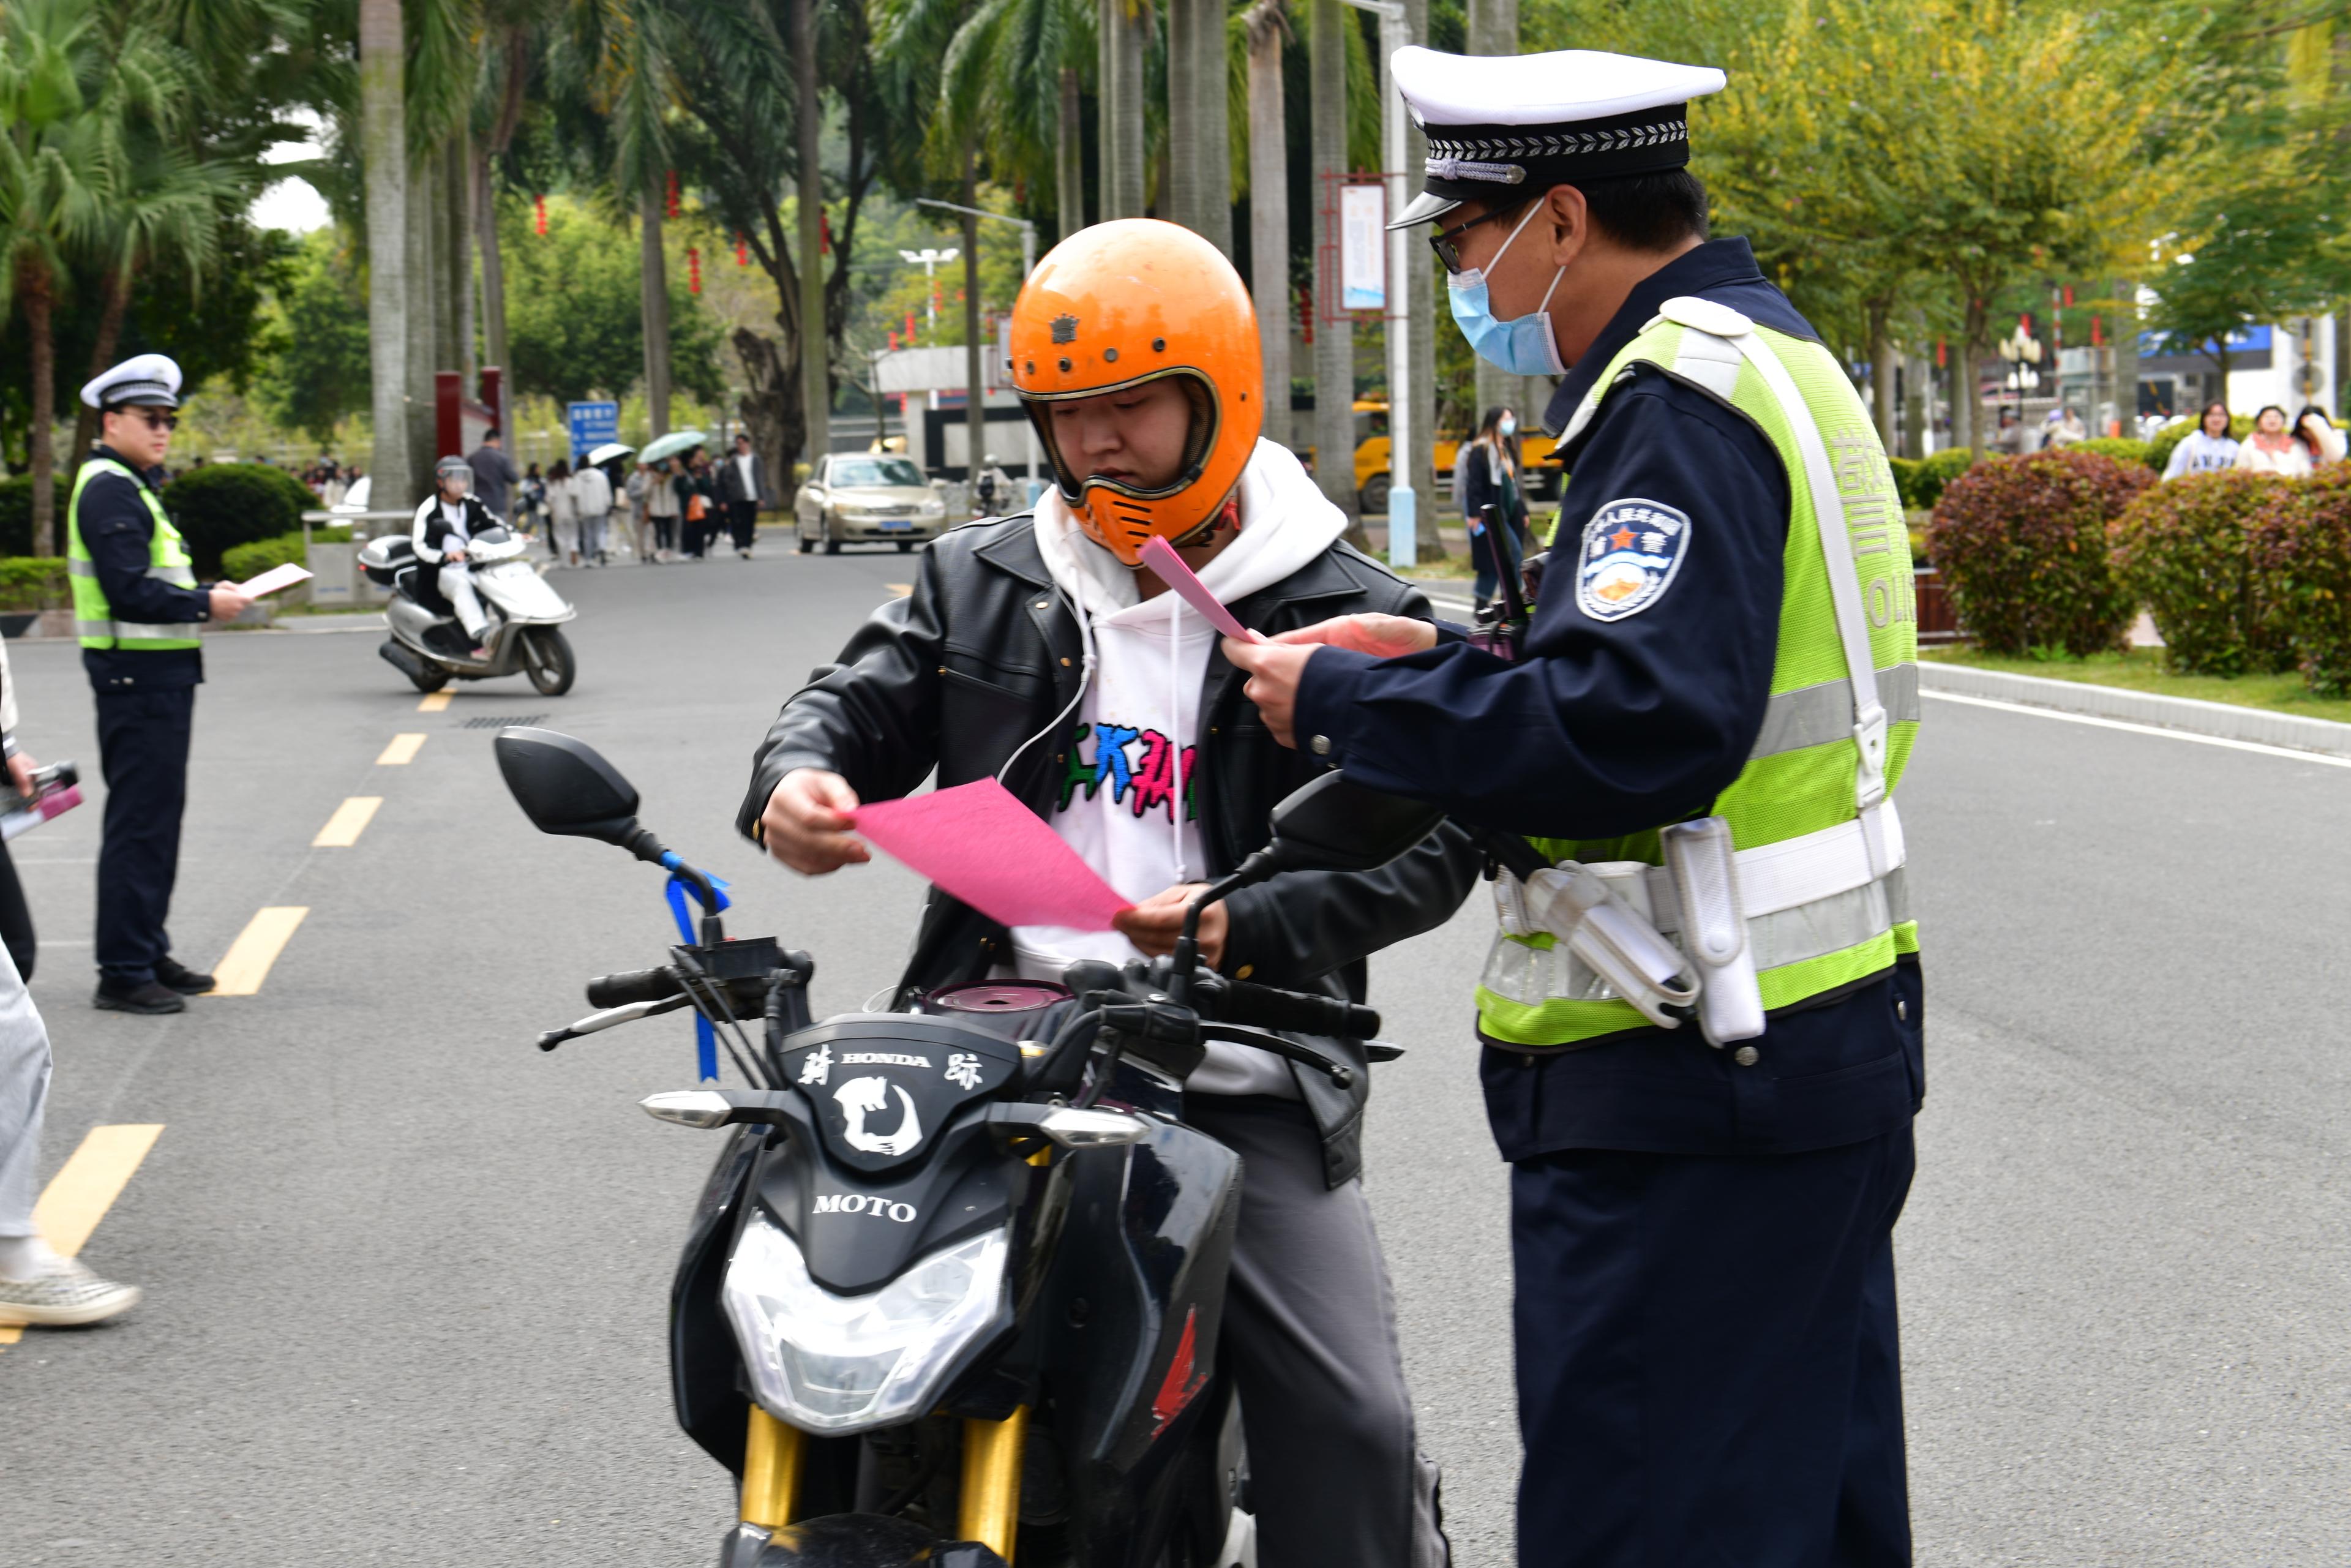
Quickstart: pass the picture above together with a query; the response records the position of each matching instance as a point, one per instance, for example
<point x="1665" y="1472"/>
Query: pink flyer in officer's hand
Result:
<point x="1160" y="558"/>
<point x="981" y="844"/>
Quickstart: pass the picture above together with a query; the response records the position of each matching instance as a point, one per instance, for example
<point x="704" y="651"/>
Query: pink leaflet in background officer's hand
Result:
<point x="982" y="845"/>
<point x="1160" y="558"/>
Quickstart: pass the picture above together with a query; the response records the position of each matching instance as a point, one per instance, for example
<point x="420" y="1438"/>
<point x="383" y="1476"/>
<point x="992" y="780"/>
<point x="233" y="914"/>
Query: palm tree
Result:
<point x="1265" y="27"/>
<point x="384" y="113"/>
<point x="1016" y="71"/>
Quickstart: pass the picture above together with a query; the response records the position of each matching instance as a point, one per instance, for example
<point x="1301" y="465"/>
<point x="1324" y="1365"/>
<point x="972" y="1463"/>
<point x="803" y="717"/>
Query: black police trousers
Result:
<point x="142" y="744"/>
<point x="1706" y="1358"/>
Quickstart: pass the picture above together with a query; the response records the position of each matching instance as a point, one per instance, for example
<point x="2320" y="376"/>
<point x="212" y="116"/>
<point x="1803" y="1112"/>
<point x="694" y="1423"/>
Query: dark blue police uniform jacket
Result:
<point x="118" y="532"/>
<point x="1613" y="728"/>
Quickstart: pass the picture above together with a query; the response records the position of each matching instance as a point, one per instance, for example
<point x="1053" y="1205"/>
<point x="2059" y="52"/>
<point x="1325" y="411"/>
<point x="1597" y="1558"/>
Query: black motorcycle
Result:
<point x="959" y="1272"/>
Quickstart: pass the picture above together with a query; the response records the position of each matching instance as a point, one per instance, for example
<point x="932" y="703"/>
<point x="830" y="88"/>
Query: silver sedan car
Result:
<point x="871" y="498"/>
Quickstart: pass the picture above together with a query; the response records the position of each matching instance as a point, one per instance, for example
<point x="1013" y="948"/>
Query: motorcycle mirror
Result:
<point x="563" y="786"/>
<point x="1334" y="825"/>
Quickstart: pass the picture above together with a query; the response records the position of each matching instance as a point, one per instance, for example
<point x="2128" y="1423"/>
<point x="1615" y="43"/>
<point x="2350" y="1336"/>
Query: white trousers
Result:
<point x="591" y="532"/>
<point x="24" y="1093"/>
<point x="457" y="588"/>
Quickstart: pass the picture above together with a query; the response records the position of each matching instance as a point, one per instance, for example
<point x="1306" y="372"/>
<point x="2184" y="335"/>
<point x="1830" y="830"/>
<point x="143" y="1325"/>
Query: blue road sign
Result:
<point x="592" y="424"/>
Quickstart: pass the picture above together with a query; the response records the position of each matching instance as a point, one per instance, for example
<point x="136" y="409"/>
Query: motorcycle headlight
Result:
<point x="826" y="1363"/>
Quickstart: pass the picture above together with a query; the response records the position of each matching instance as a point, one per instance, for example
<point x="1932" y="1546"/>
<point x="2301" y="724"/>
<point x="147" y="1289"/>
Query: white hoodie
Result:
<point x="1124" y="804"/>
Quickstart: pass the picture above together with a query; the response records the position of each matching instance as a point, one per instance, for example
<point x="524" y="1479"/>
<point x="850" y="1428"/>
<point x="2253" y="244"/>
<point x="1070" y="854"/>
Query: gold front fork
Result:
<point x="772" y="1456"/>
<point x="990" y="1510"/>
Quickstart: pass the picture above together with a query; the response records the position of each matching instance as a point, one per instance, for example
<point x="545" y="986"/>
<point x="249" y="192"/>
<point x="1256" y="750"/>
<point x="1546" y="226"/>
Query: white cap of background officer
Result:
<point x="1500" y="125"/>
<point x="152" y="380"/>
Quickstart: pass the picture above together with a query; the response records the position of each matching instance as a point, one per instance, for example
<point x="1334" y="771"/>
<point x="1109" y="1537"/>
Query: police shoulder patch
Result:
<point x="1632" y="550"/>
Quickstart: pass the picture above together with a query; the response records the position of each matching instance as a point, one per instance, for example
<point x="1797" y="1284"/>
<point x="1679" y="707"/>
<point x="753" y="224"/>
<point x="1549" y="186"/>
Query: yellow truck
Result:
<point x="1371" y="476"/>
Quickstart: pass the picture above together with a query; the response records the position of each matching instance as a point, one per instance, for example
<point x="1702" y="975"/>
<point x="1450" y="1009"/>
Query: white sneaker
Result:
<point x="64" y="1294"/>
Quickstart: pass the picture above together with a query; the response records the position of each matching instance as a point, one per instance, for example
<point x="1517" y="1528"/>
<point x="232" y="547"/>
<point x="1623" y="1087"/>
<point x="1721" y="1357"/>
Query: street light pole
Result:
<point x="1027" y="265"/>
<point x="1402" y="423"/>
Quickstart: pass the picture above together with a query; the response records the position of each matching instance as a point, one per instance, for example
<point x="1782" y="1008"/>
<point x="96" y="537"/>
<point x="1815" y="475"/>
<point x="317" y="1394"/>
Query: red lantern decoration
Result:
<point x="894" y="340"/>
<point x="673" y="208"/>
<point x="2097" y="333"/>
<point x="693" y="269"/>
<point x="2069" y="294"/>
<point x="824" y="233"/>
<point x="910" y="326"/>
<point x="742" y="252"/>
<point x="1941" y="358"/>
<point x="539" y="210"/>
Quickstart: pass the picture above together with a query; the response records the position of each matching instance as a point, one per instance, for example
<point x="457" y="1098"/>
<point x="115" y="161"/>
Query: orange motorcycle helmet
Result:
<point x="1127" y="302"/>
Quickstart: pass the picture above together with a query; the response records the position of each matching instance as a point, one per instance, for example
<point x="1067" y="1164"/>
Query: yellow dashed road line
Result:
<point x="401" y="752"/>
<point x="349" y="821"/>
<point x="900" y="589"/>
<point x="256" y="947"/>
<point x="78" y="1195"/>
<point x="435" y="702"/>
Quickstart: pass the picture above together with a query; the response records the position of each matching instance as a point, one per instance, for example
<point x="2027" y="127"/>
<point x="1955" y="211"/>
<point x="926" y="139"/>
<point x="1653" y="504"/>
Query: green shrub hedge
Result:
<point x="1921" y="480"/>
<point x="2121" y="448"/>
<point x="33" y="582"/>
<point x="2022" y="542"/>
<point x="224" y="505"/>
<point x="246" y="562"/>
<point x="16" y="516"/>
<point x="2301" y="544"/>
<point x="2186" y="550"/>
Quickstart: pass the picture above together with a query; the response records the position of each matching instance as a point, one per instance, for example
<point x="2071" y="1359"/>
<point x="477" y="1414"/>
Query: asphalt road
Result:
<point x="407" y="1276"/>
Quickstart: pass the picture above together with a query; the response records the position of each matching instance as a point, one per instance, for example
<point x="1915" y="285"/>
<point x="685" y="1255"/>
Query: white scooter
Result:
<point x="432" y="649"/>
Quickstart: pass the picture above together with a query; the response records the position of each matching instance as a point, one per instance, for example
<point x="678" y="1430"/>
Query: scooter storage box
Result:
<point x="382" y="559"/>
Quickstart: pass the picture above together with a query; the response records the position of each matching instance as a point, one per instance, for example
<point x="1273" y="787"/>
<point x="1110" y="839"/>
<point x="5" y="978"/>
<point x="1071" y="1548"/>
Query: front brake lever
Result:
<point x="628" y="1012"/>
<point x="1338" y="1072"/>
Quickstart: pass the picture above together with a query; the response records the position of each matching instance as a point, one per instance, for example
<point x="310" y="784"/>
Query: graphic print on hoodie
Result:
<point x="1125" y="802"/>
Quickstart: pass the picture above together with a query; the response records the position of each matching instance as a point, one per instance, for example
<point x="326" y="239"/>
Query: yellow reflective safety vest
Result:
<point x="94" y="620"/>
<point x="1816" y="844"/>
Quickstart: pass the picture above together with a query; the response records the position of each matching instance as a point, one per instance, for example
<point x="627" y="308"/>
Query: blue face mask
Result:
<point x="1508" y="427"/>
<point x="1523" y="345"/>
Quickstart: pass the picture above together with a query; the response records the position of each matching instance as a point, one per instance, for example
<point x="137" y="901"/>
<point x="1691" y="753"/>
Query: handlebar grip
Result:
<point x="631" y="986"/>
<point x="1267" y="1008"/>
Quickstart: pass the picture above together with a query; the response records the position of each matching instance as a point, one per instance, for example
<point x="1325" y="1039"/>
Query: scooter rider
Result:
<point x="1036" y="650"/>
<point x="445" y="523"/>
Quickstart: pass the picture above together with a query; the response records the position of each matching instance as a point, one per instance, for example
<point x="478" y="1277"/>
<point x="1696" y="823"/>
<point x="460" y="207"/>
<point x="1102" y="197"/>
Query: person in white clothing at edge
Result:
<point x="1038" y="650"/>
<point x="37" y="1287"/>
<point x="592" y="499"/>
<point x="2208" y="448"/>
<point x="445" y="523"/>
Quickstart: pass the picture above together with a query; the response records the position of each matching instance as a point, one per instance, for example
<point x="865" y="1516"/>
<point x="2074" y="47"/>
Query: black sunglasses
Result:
<point x="1442" y="240"/>
<point x="156" y="421"/>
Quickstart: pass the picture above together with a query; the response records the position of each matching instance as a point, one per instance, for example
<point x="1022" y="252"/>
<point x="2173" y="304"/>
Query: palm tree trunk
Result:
<point x="1420" y="468"/>
<point x="115" y="307"/>
<point x="975" y="382"/>
<point x="1069" y="157"/>
<point x="384" y="118"/>
<point x="654" y="297"/>
<point x="38" y="300"/>
<point x="1334" y="335"/>
<point x="423" y="320"/>
<point x="816" y="358"/>
<point x="1211" y="99"/>
<point x="494" y="278"/>
<point x="1494" y="30"/>
<point x="458" y="176"/>
<point x="1121" y="111"/>
<point x="1179" y="192"/>
<point x="1269" y="212"/>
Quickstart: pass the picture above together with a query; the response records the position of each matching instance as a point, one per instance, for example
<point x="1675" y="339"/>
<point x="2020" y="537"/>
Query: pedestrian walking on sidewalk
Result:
<point x="36" y="1286"/>
<point x="136" y="610"/>
<point x="563" y="513"/>
<point x="1489" y="477"/>
<point x="592" y="499"/>
<point x="663" y="506"/>
<point x="2206" y="448"/>
<point x="2272" y="447"/>
<point x="494" y="474"/>
<point x="743" y="486"/>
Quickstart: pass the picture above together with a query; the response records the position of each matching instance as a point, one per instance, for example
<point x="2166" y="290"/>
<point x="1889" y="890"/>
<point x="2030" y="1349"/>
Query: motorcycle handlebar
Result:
<point x="1267" y="1007"/>
<point x="633" y="986"/>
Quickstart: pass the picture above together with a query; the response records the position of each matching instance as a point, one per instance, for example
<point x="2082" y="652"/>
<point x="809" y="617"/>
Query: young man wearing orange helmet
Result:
<point x="1037" y="650"/>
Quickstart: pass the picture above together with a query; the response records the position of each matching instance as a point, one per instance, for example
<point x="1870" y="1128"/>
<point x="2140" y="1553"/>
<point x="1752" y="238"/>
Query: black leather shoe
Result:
<point x="144" y="997"/>
<point x="170" y="972"/>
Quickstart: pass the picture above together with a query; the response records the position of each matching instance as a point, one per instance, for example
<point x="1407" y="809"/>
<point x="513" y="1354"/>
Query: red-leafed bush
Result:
<point x="2302" y="545"/>
<point x="2185" y="550"/>
<point x="2022" y="543"/>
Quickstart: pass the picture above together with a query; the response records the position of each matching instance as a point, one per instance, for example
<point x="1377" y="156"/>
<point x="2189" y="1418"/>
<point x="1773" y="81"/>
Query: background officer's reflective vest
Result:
<point x="167" y="559"/>
<point x="1807" y="778"/>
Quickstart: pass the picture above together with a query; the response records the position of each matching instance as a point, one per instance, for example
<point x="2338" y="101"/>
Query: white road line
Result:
<point x="2286" y="751"/>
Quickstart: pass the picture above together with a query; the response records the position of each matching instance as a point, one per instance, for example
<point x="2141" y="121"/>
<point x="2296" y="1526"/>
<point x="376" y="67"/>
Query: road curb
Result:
<point x="2225" y="720"/>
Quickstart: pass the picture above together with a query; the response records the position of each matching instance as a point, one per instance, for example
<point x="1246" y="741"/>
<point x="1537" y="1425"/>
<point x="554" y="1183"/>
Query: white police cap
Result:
<point x="142" y="379"/>
<point x="1499" y="122"/>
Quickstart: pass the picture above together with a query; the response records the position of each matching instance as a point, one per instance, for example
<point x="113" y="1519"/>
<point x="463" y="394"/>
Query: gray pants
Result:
<point x="24" y="1092"/>
<point x="1336" y="1477"/>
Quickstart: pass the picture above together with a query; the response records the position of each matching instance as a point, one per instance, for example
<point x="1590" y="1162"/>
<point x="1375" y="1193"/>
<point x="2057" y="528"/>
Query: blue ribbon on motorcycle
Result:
<point x="705" y="1038"/>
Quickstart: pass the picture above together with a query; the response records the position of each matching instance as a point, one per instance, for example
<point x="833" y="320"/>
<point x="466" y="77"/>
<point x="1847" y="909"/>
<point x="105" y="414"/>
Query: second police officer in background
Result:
<point x="137" y="610"/>
<point x="1720" y="674"/>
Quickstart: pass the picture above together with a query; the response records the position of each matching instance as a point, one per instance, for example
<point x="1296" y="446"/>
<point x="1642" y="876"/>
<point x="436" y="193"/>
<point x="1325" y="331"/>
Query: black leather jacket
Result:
<point x="984" y="653"/>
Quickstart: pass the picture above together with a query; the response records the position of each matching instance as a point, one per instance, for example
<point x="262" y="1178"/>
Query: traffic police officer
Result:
<point x="1717" y="693"/>
<point x="136" y="610"/>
